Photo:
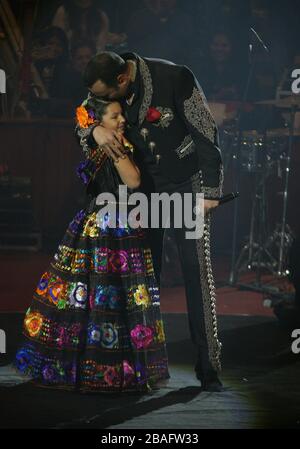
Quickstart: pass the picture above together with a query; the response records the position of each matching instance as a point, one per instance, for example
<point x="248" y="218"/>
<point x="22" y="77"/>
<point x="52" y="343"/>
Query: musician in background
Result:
<point x="220" y="73"/>
<point x="50" y="72"/>
<point x="161" y="29"/>
<point x="81" y="53"/>
<point x="85" y="20"/>
<point x="82" y="19"/>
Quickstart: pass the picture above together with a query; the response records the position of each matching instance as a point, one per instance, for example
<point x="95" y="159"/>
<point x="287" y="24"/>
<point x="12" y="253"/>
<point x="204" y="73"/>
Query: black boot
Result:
<point x="211" y="384"/>
<point x="208" y="378"/>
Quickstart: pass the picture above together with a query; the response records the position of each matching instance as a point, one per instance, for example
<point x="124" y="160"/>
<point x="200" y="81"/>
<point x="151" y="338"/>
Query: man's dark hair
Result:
<point x="106" y="67"/>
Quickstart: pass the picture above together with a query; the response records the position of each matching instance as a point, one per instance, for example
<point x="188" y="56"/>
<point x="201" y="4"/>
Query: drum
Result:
<point x="252" y="155"/>
<point x="258" y="151"/>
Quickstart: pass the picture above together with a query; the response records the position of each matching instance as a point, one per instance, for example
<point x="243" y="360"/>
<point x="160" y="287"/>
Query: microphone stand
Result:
<point x="237" y="165"/>
<point x="237" y="156"/>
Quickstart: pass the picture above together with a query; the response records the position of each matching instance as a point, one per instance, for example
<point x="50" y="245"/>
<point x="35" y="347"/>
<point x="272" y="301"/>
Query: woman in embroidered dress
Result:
<point x="94" y="323"/>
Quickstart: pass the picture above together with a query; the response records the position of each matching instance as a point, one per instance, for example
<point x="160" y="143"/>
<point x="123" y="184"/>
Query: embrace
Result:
<point x="95" y="321"/>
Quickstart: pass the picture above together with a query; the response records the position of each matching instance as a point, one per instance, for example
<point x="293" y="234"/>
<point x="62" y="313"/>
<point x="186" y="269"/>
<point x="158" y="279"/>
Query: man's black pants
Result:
<point x="198" y="286"/>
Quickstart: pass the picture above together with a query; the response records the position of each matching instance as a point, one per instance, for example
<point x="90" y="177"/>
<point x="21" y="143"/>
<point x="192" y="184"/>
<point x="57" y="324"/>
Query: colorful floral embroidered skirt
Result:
<point x="94" y="323"/>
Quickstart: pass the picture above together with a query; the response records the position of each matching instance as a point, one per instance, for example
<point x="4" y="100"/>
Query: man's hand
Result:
<point x="110" y="142"/>
<point x="209" y="205"/>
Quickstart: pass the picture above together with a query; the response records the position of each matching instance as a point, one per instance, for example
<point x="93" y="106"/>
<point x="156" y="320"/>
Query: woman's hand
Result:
<point x="129" y="172"/>
<point x="110" y="142"/>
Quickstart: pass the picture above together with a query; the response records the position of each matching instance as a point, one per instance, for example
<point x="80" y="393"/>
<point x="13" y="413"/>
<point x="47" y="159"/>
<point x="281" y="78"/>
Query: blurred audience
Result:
<point x="85" y="20"/>
<point x="161" y="30"/>
<point x="50" y="59"/>
<point x="268" y="64"/>
<point x="81" y="53"/>
<point x="50" y="71"/>
<point x="211" y="37"/>
<point x="220" y="74"/>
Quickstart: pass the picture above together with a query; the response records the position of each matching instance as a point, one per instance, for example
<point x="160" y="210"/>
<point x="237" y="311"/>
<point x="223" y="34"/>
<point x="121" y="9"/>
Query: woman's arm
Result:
<point x="60" y="19"/>
<point x="101" y="39"/>
<point x="128" y="171"/>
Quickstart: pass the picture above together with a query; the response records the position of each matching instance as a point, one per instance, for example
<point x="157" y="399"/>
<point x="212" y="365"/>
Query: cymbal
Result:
<point x="270" y="133"/>
<point x="287" y="102"/>
<point x="252" y="133"/>
<point x="282" y="132"/>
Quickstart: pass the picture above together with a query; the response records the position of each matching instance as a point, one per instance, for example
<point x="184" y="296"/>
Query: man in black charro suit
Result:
<point x="176" y="153"/>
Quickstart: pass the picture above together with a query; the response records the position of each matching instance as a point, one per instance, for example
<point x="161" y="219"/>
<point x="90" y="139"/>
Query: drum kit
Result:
<point x="260" y="155"/>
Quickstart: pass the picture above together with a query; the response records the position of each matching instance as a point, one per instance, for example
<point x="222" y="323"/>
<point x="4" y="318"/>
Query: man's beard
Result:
<point x="118" y="95"/>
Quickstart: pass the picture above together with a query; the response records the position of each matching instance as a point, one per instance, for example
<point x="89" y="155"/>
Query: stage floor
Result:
<point x="260" y="373"/>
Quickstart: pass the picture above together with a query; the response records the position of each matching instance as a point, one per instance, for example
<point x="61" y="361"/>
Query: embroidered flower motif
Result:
<point x="56" y="289"/>
<point x="160" y="331"/>
<point x="23" y="359"/>
<point x="153" y="115"/>
<point x="33" y="323"/>
<point x="64" y="337"/>
<point x="43" y="284"/>
<point x="101" y="259"/>
<point x="109" y="336"/>
<point x="90" y="228"/>
<point x="141" y="296"/>
<point x="142" y="336"/>
<point x="107" y="296"/>
<point x="52" y="373"/>
<point x="84" y="118"/>
<point x="111" y="376"/>
<point x="129" y="373"/>
<point x="114" y="297"/>
<point x="79" y="295"/>
<point x="118" y="261"/>
<point x="101" y="295"/>
<point x="94" y="334"/>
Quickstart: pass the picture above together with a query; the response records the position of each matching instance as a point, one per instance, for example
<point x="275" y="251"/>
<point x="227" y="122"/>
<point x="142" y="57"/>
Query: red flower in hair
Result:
<point x="153" y="115"/>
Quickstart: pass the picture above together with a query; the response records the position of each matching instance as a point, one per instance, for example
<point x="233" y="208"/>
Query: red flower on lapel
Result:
<point x="153" y="115"/>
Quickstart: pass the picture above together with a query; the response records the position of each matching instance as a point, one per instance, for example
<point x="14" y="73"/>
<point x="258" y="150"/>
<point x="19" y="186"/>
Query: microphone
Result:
<point x="229" y="197"/>
<point x="259" y="39"/>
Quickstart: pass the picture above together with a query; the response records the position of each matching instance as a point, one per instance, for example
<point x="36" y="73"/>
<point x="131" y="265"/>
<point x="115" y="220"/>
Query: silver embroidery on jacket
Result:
<point x="187" y="147"/>
<point x="207" y="285"/>
<point x="214" y="192"/>
<point x="167" y="116"/>
<point x="198" y="114"/>
<point x="148" y="90"/>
